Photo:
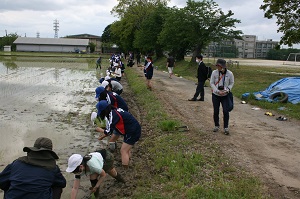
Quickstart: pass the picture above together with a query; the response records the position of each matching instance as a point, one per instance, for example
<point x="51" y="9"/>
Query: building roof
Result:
<point x="52" y="41"/>
<point x="85" y="35"/>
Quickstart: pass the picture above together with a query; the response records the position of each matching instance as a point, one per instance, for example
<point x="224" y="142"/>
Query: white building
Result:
<point x="51" y="44"/>
<point x="247" y="47"/>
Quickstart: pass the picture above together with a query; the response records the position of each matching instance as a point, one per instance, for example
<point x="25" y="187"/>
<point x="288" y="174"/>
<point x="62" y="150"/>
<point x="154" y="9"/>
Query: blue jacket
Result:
<point x="20" y="180"/>
<point x="117" y="101"/>
<point x="123" y="122"/>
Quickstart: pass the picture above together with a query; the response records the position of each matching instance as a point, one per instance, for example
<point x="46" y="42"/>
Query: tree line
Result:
<point x="151" y="27"/>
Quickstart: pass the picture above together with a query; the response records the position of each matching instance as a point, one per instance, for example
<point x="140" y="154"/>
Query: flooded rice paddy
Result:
<point x="51" y="98"/>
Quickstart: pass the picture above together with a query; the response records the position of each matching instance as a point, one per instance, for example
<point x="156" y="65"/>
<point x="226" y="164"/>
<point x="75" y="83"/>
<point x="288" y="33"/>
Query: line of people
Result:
<point x="112" y="110"/>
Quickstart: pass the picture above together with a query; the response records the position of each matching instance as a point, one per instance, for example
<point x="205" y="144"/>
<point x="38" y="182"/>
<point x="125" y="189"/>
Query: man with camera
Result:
<point x="221" y="82"/>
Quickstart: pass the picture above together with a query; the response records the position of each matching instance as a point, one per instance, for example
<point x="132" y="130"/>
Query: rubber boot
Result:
<point x="119" y="178"/>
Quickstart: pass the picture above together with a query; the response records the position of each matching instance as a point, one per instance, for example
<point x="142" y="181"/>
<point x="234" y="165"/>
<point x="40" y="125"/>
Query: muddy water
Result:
<point x="46" y="99"/>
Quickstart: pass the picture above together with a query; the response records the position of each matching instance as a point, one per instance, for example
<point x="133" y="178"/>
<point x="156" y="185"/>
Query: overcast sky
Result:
<point x="29" y="17"/>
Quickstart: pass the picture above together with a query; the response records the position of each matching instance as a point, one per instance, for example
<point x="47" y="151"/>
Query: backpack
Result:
<point x="208" y="72"/>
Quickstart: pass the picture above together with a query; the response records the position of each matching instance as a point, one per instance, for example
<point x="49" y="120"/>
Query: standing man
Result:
<point x="203" y="73"/>
<point x="221" y="82"/>
<point x="170" y="65"/>
<point x="98" y="62"/>
<point x="138" y="58"/>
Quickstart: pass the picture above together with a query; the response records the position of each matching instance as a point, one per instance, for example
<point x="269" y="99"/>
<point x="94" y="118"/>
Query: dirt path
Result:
<point x="260" y="143"/>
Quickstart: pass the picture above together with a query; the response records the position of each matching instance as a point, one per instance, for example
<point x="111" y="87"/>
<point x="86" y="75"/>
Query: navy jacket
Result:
<point x="123" y="122"/>
<point x="26" y="181"/>
<point x="203" y="72"/>
<point x="117" y="101"/>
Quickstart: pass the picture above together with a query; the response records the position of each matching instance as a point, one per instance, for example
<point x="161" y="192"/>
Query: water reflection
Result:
<point x="9" y="64"/>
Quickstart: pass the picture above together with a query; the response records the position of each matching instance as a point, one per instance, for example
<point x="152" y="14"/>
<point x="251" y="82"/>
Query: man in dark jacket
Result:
<point x="35" y="176"/>
<point x="203" y="73"/>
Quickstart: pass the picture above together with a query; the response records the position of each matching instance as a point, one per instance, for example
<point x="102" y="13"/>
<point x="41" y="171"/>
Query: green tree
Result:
<point x="92" y="47"/>
<point x="9" y="41"/>
<point x="281" y="54"/>
<point x="106" y="35"/>
<point x="288" y="15"/>
<point x="146" y="38"/>
<point x="132" y="13"/>
<point x="134" y="7"/>
<point x="195" y="26"/>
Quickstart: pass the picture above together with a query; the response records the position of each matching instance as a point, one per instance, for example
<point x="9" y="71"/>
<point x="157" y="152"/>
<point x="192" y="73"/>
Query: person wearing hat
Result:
<point x="117" y="73"/>
<point x="112" y="85"/>
<point x="203" y="73"/>
<point x="112" y="98"/>
<point x="34" y="176"/>
<point x="96" y="165"/>
<point x="221" y="82"/>
<point x="116" y="101"/>
<point x="122" y="122"/>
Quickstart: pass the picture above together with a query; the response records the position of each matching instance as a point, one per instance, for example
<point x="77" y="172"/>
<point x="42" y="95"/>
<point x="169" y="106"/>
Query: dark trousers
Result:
<point x="199" y="90"/>
<point x="217" y="100"/>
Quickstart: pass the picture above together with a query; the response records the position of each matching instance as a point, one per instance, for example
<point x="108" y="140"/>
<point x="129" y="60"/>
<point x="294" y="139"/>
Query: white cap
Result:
<point x="116" y="64"/>
<point x="73" y="162"/>
<point x="104" y="84"/>
<point x="107" y="77"/>
<point x="93" y="117"/>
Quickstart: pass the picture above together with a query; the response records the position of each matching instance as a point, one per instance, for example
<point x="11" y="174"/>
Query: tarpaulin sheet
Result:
<point x="288" y="85"/>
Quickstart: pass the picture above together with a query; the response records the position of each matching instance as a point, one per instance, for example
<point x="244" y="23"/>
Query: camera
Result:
<point x="220" y="88"/>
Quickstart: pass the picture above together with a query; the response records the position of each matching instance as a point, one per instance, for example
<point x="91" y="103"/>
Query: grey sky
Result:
<point x="92" y="16"/>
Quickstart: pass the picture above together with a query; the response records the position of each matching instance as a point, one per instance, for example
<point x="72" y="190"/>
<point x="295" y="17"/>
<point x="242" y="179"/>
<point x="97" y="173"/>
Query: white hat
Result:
<point x="116" y="64"/>
<point x="93" y="117"/>
<point x="107" y="77"/>
<point x="104" y="84"/>
<point x="73" y="162"/>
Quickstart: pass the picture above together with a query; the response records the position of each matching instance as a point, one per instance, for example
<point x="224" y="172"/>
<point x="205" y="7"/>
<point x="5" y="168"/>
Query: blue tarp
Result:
<point x="289" y="85"/>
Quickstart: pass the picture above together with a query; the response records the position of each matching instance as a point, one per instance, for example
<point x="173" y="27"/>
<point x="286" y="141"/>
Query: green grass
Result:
<point x="175" y="166"/>
<point x="248" y="79"/>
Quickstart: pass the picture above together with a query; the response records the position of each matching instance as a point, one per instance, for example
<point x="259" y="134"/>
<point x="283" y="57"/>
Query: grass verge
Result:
<point x="248" y="79"/>
<point x="174" y="165"/>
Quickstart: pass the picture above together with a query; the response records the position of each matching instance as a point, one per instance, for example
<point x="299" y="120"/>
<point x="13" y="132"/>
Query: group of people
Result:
<point x="37" y="174"/>
<point x="112" y="110"/>
<point x="221" y="83"/>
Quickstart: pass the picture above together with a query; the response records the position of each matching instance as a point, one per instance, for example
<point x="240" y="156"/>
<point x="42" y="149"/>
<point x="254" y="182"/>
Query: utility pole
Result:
<point x="56" y="28"/>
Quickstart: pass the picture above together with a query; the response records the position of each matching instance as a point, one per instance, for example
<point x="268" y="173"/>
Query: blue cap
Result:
<point x="101" y="80"/>
<point x="101" y="106"/>
<point x="98" y="91"/>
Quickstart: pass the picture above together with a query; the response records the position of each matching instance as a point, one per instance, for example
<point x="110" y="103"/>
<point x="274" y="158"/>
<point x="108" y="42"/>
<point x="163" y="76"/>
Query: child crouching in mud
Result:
<point x="96" y="165"/>
<point x="123" y="123"/>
